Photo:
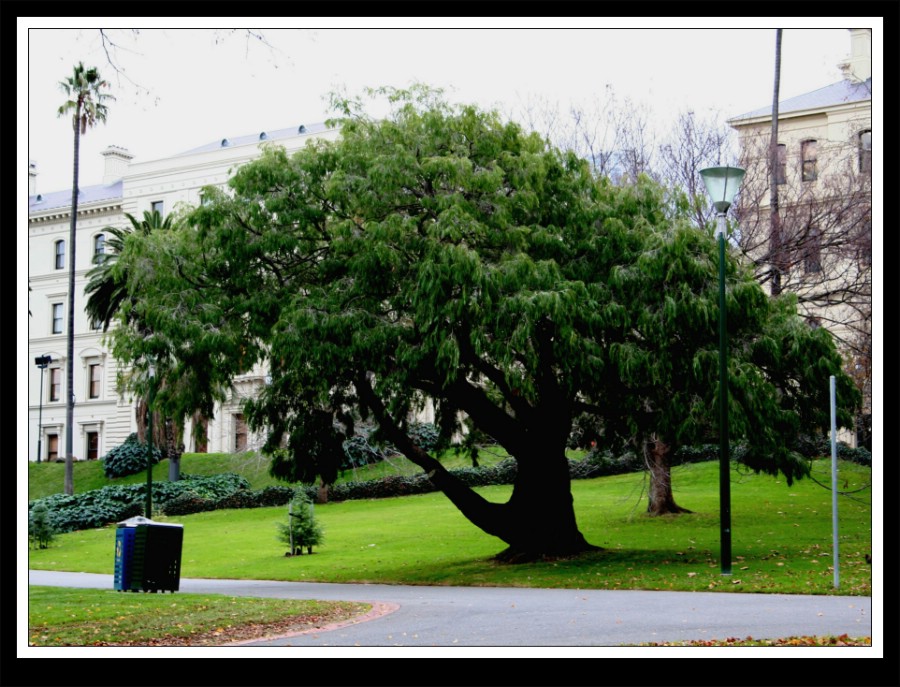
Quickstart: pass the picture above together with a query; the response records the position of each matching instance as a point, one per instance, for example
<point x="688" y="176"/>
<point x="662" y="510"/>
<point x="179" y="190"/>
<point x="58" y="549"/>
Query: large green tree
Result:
<point x="85" y="103"/>
<point x="437" y="254"/>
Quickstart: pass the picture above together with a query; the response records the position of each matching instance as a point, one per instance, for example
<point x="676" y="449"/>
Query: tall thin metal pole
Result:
<point x="724" y="470"/>
<point x="148" y="505"/>
<point x="40" y="410"/>
<point x="834" y="482"/>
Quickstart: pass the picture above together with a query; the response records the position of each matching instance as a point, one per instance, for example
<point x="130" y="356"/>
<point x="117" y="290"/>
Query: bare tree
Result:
<point x="691" y="144"/>
<point x="615" y="137"/>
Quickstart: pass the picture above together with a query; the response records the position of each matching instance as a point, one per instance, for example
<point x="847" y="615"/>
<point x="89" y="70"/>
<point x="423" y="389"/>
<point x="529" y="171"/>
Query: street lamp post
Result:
<point x="148" y="504"/>
<point x="722" y="184"/>
<point x="41" y="361"/>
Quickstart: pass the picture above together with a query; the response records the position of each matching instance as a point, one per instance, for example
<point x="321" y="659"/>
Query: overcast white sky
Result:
<point x="202" y="90"/>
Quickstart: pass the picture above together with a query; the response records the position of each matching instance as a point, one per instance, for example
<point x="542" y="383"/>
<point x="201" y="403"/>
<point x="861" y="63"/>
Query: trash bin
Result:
<point x="148" y="556"/>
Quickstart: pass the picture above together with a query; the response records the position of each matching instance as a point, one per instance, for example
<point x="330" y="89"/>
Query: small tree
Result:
<point x="40" y="529"/>
<point x="302" y="529"/>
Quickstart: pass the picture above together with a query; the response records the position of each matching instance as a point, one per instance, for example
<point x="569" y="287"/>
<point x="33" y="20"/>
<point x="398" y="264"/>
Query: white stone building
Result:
<point x="823" y="174"/>
<point x="103" y="418"/>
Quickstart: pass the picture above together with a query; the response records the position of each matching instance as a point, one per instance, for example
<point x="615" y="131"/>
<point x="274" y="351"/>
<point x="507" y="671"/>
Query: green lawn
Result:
<point x="781" y="540"/>
<point x="94" y="617"/>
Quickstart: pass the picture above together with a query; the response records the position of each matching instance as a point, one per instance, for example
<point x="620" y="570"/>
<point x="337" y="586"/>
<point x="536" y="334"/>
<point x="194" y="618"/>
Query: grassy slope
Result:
<point x="45" y="479"/>
<point x="781" y="540"/>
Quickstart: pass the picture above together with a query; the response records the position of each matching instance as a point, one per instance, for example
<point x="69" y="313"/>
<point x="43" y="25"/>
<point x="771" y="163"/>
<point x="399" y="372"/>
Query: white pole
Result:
<point x="834" y="484"/>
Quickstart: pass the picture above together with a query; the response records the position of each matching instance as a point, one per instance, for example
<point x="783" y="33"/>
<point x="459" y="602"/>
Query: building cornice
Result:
<point x="838" y="108"/>
<point x="56" y="214"/>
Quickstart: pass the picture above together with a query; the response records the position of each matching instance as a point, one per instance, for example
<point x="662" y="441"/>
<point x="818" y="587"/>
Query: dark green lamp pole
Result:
<point x="41" y="361"/>
<point x="722" y="184"/>
<point x="148" y="504"/>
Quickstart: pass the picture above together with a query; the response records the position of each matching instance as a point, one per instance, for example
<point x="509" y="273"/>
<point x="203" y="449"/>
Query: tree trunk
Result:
<point x="540" y="514"/>
<point x="657" y="456"/>
<point x="322" y="495"/>
<point x="173" y="450"/>
<point x="538" y="521"/>
<point x="539" y="518"/>
<point x="69" y="482"/>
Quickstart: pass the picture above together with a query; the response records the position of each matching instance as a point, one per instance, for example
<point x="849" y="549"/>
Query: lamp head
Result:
<point x="42" y="361"/>
<point x="722" y="184"/>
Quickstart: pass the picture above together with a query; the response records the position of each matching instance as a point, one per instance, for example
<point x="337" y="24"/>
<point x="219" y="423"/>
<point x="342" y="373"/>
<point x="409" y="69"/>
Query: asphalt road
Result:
<point x="412" y="616"/>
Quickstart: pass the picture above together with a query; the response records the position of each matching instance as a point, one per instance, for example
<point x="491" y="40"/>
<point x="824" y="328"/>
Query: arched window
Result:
<point x="865" y="150"/>
<point x="99" y="247"/>
<point x="59" y="254"/>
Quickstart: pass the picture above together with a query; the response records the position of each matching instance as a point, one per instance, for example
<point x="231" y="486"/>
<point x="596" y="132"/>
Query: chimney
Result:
<point x="117" y="161"/>
<point x="32" y="177"/>
<point x="858" y="66"/>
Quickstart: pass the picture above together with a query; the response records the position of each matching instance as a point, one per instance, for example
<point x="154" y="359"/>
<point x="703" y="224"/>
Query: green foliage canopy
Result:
<point x="442" y="255"/>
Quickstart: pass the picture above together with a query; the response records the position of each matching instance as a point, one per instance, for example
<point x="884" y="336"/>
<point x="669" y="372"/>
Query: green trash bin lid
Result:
<point x="141" y="520"/>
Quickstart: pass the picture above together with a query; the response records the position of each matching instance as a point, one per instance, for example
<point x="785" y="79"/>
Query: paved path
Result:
<point x="514" y="617"/>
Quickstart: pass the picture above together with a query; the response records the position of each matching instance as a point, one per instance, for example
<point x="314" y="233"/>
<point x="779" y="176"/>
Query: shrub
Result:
<point x="128" y="458"/>
<point x="358" y="452"/>
<point x="188" y="503"/>
<point x="100" y="507"/>
<point x="427" y="436"/>
<point x="301" y="530"/>
<point x="603" y="462"/>
<point x="41" y="531"/>
<point x="274" y="496"/>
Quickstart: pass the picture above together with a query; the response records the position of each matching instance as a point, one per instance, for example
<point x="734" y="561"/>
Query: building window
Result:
<point x="53" y="447"/>
<point x="780" y="163"/>
<point x="57" y="325"/>
<point x="808" y="157"/>
<point x="93" y="445"/>
<point x="94" y="373"/>
<point x="95" y="324"/>
<point x="240" y="433"/>
<point x="59" y="255"/>
<point x="157" y="206"/>
<point x="812" y="259"/>
<point x="865" y="151"/>
<point x="55" y="383"/>
<point x="99" y="248"/>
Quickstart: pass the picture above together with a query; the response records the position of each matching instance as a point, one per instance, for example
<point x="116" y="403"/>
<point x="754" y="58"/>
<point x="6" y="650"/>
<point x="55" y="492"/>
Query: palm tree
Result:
<point x="85" y="98"/>
<point x="107" y="291"/>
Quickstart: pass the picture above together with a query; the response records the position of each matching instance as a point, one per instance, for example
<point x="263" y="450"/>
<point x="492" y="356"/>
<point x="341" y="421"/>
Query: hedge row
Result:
<point x="195" y="494"/>
<point x="100" y="507"/>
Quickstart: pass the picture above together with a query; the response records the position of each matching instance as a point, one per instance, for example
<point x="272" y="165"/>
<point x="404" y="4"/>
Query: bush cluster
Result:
<point x="100" y="507"/>
<point x="427" y="436"/>
<point x="361" y="449"/>
<point x="820" y="447"/>
<point x="128" y="458"/>
<point x="602" y="463"/>
<point x="358" y="452"/>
